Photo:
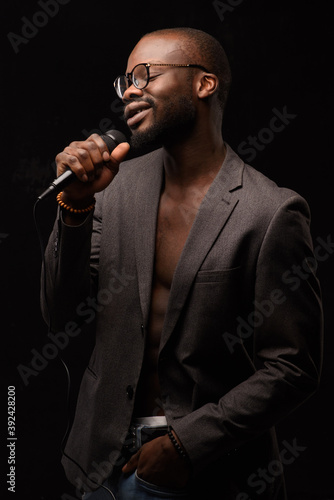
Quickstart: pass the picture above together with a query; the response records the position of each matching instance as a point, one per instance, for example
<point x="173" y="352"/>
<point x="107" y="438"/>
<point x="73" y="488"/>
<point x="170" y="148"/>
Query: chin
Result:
<point x="145" y="137"/>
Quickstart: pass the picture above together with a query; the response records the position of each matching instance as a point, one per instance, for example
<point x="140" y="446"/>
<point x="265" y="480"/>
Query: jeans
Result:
<point x="134" y="488"/>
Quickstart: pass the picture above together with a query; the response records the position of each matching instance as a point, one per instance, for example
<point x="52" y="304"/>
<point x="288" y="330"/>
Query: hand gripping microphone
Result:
<point x="112" y="138"/>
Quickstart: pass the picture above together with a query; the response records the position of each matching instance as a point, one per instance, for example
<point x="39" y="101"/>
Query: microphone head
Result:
<point x="112" y="138"/>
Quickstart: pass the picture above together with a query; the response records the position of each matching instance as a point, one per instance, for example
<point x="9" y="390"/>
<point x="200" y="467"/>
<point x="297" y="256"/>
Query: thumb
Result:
<point x="118" y="155"/>
<point x="112" y="161"/>
<point x="132" y="464"/>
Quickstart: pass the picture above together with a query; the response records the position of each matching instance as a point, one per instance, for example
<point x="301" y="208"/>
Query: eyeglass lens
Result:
<point x="139" y="78"/>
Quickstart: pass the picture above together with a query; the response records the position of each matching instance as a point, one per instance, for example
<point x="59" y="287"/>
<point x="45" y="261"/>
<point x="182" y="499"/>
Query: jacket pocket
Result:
<point x="216" y="276"/>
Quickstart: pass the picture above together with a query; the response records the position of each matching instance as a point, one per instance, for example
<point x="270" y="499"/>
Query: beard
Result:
<point x="174" y="123"/>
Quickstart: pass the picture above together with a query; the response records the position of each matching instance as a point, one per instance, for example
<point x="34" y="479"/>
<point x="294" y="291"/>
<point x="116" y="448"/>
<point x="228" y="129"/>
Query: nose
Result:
<point x="131" y="93"/>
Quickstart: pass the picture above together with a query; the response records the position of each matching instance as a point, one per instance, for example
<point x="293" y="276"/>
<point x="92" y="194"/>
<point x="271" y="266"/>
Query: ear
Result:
<point x="207" y="85"/>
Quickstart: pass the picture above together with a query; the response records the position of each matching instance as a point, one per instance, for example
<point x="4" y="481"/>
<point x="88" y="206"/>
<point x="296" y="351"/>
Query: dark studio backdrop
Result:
<point x="60" y="60"/>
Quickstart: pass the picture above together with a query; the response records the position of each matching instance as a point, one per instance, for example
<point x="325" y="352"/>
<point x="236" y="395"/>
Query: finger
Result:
<point x="84" y="160"/>
<point x="117" y="156"/>
<point x="98" y="141"/>
<point x="98" y="149"/>
<point x="87" y="162"/>
<point x="120" y="153"/>
<point x="91" y="153"/>
<point x="88" y="154"/>
<point x="132" y="464"/>
<point x="66" y="160"/>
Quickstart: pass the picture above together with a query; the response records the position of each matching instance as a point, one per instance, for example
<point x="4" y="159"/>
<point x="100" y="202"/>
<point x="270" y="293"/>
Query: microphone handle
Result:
<point x="58" y="184"/>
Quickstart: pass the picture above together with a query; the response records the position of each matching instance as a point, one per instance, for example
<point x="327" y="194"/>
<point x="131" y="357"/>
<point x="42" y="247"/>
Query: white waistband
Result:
<point x="155" y="421"/>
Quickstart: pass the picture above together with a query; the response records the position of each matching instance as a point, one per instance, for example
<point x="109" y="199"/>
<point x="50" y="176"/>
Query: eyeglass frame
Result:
<point x="128" y="76"/>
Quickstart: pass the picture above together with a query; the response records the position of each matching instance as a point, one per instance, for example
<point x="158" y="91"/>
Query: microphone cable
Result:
<point x="68" y="376"/>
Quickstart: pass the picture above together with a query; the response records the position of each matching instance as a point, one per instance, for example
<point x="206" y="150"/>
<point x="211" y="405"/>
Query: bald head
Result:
<point x="202" y="48"/>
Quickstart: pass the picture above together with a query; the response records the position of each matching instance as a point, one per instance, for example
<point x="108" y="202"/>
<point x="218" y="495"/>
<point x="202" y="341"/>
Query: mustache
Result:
<point x="147" y="100"/>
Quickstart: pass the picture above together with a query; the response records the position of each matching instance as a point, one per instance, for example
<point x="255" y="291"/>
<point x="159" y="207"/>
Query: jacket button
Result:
<point x="129" y="391"/>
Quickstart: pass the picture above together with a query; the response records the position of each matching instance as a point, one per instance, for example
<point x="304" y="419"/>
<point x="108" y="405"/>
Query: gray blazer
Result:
<point x="241" y="345"/>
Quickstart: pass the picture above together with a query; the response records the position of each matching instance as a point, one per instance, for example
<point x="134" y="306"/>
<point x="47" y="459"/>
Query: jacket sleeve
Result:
<point x="287" y="344"/>
<point x="70" y="268"/>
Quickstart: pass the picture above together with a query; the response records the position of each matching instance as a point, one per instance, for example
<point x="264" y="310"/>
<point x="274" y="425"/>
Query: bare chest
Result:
<point x="173" y="227"/>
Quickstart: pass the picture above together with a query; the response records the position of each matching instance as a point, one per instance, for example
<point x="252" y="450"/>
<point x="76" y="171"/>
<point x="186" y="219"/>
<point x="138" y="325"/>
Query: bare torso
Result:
<point x="173" y="226"/>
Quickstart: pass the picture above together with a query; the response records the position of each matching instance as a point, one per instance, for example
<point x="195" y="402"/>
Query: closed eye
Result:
<point x="155" y="76"/>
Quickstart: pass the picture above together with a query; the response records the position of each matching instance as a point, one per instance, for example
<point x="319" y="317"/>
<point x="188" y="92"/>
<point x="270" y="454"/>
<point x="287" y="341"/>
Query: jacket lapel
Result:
<point x="146" y="205"/>
<point x="215" y="210"/>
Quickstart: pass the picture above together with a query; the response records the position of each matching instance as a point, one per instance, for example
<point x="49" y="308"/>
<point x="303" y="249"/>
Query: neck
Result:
<point x="194" y="161"/>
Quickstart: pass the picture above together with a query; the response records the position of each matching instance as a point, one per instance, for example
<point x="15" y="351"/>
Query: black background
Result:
<point x="59" y="86"/>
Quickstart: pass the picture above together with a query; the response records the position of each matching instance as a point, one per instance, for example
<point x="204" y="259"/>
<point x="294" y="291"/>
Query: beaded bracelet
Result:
<point x="74" y="210"/>
<point x="178" y="448"/>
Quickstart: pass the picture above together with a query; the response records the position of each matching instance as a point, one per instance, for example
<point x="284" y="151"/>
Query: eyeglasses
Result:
<point x="140" y="76"/>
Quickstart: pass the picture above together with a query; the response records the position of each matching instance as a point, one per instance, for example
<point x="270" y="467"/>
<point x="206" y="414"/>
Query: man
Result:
<point x="204" y="337"/>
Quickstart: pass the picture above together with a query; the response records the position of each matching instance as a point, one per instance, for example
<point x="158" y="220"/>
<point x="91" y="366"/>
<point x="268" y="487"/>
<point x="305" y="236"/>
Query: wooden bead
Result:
<point x="74" y="210"/>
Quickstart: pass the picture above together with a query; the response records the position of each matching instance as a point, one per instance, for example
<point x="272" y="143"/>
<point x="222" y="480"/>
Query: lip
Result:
<point x="135" y="112"/>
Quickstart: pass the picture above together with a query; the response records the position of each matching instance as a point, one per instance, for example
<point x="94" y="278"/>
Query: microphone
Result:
<point x="112" y="138"/>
